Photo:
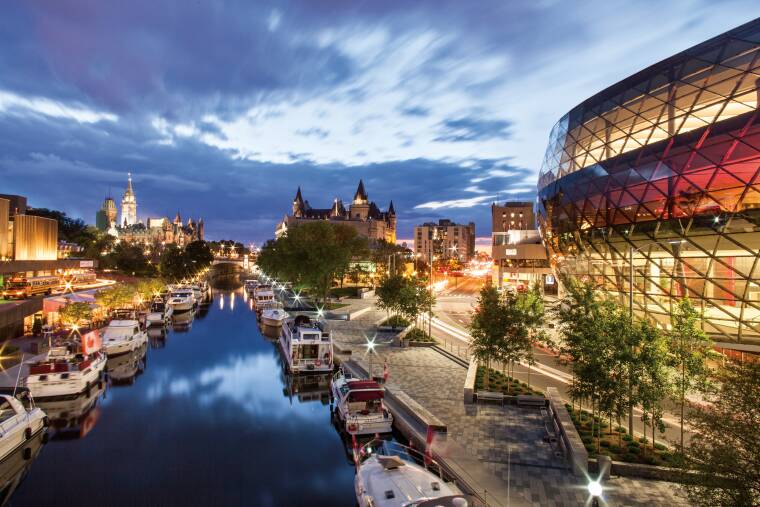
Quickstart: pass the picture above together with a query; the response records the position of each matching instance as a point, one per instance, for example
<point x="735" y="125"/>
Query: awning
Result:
<point x="365" y="395"/>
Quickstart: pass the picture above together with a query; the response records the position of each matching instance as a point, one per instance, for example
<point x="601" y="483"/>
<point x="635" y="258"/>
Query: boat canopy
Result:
<point x="365" y="390"/>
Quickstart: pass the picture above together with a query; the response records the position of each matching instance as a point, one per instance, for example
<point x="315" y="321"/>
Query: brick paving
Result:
<point x="507" y="441"/>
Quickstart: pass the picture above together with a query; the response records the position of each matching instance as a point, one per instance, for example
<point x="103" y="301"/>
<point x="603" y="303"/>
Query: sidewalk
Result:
<point x="498" y="449"/>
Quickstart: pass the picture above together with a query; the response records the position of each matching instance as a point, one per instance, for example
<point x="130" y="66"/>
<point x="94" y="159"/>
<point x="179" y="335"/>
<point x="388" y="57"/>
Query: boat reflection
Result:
<point x="73" y="418"/>
<point x="181" y="323"/>
<point x="306" y="387"/>
<point x="157" y="337"/>
<point x="15" y="466"/>
<point x="124" y="369"/>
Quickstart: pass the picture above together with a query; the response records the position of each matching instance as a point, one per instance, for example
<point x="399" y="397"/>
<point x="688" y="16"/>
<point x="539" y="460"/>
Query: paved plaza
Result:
<point x="506" y="442"/>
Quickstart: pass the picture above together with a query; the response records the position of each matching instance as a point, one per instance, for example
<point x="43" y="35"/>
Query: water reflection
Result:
<point x="15" y="466"/>
<point x="73" y="418"/>
<point x="213" y="421"/>
<point x="124" y="369"/>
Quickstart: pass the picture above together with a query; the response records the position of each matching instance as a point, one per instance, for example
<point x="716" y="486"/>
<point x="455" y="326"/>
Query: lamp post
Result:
<point x="430" y="309"/>
<point x="631" y="251"/>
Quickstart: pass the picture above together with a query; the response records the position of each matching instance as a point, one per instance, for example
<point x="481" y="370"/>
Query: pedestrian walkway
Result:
<point x="502" y="447"/>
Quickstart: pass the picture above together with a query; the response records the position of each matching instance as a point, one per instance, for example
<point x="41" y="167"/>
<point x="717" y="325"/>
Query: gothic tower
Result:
<point x="129" y="205"/>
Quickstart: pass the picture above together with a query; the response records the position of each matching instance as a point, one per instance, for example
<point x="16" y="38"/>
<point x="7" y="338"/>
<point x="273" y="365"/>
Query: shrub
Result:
<point x="643" y="440"/>
<point x="396" y="321"/>
<point x="660" y="447"/>
<point x="418" y="335"/>
<point x="627" y="438"/>
<point x="604" y="443"/>
<point x="620" y="429"/>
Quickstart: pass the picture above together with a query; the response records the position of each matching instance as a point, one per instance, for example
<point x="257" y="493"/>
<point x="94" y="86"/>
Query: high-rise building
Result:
<point x="445" y="240"/>
<point x="129" y="205"/>
<point x="519" y="256"/>
<point x="650" y="187"/>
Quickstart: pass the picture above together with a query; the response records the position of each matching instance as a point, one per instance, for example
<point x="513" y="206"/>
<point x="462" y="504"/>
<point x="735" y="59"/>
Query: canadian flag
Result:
<point x="91" y="342"/>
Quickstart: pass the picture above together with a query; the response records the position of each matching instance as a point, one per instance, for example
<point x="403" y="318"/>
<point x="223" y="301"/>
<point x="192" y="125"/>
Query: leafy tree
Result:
<point x="415" y="299"/>
<point x="172" y="264"/>
<point x="725" y="450"/>
<point x="148" y="289"/>
<point x="118" y="296"/>
<point x="312" y="255"/>
<point x="198" y="255"/>
<point x="487" y="328"/>
<point x="389" y="294"/>
<point x="130" y="259"/>
<point x="690" y="348"/>
<point x="75" y="313"/>
<point x="650" y="366"/>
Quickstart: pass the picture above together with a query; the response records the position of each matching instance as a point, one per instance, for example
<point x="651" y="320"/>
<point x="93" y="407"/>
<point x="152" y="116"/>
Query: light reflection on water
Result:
<point x="208" y="419"/>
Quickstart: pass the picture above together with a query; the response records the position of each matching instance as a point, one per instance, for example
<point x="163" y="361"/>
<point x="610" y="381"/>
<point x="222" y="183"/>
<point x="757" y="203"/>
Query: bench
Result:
<point x="526" y="400"/>
<point x="490" y="396"/>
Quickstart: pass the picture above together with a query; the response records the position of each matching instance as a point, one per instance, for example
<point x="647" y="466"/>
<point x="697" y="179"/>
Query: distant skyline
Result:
<point x="223" y="110"/>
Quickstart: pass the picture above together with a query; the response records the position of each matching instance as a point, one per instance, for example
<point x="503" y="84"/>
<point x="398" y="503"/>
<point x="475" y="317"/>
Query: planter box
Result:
<point x="420" y="344"/>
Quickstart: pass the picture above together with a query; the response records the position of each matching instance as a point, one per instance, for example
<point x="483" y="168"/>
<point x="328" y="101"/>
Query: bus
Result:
<point x="23" y="287"/>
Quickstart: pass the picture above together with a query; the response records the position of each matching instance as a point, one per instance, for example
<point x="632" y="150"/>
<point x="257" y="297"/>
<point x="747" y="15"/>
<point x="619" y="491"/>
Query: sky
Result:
<point x="222" y="109"/>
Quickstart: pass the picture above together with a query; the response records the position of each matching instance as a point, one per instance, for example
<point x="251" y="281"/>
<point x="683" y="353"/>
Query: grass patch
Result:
<point x="344" y="292"/>
<point x="616" y="443"/>
<point x="396" y="321"/>
<point x="419" y="336"/>
<point x="335" y="306"/>
<point x="501" y="383"/>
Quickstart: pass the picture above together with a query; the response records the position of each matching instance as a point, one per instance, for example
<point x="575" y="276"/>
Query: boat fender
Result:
<point x="27" y="453"/>
<point x="46" y="421"/>
<point x="45" y="437"/>
<point x="28" y="433"/>
<point x="318" y="363"/>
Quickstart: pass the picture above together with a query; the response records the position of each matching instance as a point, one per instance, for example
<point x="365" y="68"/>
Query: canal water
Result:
<point x="203" y="416"/>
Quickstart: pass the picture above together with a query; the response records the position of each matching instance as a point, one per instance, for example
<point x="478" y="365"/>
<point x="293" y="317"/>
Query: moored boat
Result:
<point x="306" y="345"/>
<point x="392" y="475"/>
<point x="160" y="313"/>
<point x="359" y="405"/>
<point x="273" y="317"/>
<point x="181" y="300"/>
<point x="20" y="419"/>
<point x="62" y="373"/>
<point x="122" y="336"/>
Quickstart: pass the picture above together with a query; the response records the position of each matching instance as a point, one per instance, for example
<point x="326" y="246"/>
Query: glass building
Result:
<point x="662" y="171"/>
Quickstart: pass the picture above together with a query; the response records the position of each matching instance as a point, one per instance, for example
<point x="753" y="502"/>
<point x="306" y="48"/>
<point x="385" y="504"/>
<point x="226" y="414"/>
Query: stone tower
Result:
<point x="107" y="215"/>
<point x="129" y="204"/>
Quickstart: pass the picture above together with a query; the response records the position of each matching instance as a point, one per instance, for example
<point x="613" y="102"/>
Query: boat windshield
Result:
<point x="157" y="307"/>
<point x="6" y="410"/>
<point x="119" y="332"/>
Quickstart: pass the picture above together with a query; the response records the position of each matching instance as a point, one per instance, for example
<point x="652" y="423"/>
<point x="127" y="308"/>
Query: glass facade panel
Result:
<point x="666" y="164"/>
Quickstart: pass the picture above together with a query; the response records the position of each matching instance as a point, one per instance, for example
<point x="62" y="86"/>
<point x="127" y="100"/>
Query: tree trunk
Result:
<point x="683" y="397"/>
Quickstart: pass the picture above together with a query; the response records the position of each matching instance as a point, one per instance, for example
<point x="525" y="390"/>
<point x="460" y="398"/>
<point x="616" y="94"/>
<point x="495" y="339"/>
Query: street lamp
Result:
<point x="595" y="491"/>
<point x="370" y="349"/>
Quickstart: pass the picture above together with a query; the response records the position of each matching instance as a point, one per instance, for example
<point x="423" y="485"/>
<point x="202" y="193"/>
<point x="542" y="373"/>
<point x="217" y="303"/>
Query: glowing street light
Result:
<point x="370" y="350"/>
<point x="595" y="491"/>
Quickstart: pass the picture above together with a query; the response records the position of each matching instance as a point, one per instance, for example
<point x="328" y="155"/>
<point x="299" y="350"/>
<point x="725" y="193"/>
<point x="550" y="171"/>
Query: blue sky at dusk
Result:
<point x="221" y="109"/>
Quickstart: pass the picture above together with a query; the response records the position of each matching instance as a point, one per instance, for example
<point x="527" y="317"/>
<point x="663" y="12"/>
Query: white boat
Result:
<point x="263" y="297"/>
<point x="181" y="300"/>
<point x="20" y="419"/>
<point x="197" y="293"/>
<point x="306" y="346"/>
<point x="250" y="286"/>
<point x="390" y="476"/>
<point x="359" y="405"/>
<point x="62" y="373"/>
<point x="122" y="336"/>
<point x="160" y="313"/>
<point x="273" y="317"/>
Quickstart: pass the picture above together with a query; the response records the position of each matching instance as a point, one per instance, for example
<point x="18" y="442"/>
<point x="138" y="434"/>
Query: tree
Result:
<point x="312" y="255"/>
<point x="650" y="366"/>
<point x="725" y="450"/>
<point x="198" y="255"/>
<point x="533" y="312"/>
<point x="75" y="313"/>
<point x="149" y="288"/>
<point x="487" y="328"/>
<point x="131" y="260"/>
<point x="690" y="348"/>
<point x="172" y="265"/>
<point x="389" y="294"/>
<point x="415" y="299"/>
<point x="118" y="296"/>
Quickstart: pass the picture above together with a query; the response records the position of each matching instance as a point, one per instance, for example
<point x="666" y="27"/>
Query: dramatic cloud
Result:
<point x="222" y="110"/>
